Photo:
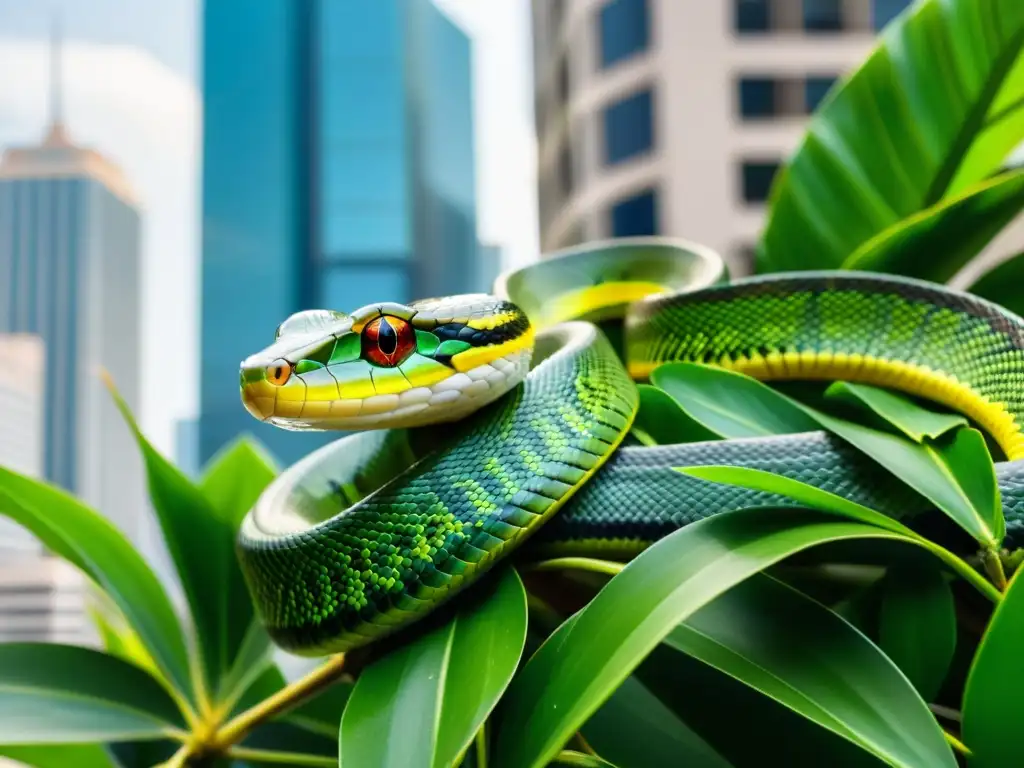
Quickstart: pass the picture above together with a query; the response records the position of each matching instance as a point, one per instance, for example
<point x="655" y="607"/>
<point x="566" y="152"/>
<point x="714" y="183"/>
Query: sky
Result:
<point x="130" y="81"/>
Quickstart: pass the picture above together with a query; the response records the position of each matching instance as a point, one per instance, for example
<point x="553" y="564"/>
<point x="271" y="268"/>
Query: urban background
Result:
<point x="178" y="176"/>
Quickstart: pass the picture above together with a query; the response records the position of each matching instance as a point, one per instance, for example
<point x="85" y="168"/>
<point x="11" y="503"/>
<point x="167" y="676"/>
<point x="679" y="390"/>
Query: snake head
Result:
<point x="388" y="365"/>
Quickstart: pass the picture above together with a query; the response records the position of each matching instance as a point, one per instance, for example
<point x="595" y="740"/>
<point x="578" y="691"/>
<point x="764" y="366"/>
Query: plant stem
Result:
<point x="969" y="574"/>
<point x="280" y="758"/>
<point x="288" y="697"/>
<point x="956" y="744"/>
<point x="591" y="564"/>
<point x="994" y="567"/>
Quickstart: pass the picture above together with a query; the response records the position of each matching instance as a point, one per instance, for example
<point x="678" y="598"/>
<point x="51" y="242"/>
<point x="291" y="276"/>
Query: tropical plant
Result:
<point x="822" y="632"/>
<point x="905" y="167"/>
<point x="887" y="648"/>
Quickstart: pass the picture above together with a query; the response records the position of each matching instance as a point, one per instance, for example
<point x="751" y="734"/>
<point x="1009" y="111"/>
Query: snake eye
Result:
<point x="278" y="372"/>
<point x="388" y="340"/>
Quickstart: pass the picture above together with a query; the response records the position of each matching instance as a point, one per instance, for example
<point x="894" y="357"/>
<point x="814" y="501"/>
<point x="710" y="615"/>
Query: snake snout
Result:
<point x="258" y="394"/>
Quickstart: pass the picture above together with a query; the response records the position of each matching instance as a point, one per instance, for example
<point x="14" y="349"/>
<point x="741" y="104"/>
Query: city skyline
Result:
<point x="70" y="271"/>
<point x="131" y="93"/>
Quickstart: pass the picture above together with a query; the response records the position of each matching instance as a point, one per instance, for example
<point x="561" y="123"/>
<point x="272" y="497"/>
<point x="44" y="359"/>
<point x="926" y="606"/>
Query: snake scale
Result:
<point x="482" y="420"/>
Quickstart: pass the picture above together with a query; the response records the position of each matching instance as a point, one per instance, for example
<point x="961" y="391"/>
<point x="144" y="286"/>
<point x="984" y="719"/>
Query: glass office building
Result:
<point x="337" y="170"/>
<point x="70" y="269"/>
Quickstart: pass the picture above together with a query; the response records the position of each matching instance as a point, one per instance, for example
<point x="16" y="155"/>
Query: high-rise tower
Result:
<point x="69" y="275"/>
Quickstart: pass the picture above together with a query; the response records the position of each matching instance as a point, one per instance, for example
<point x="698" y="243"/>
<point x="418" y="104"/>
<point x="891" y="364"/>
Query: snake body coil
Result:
<point x="377" y="529"/>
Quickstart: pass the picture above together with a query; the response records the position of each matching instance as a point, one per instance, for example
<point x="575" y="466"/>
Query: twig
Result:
<point x="288" y="697"/>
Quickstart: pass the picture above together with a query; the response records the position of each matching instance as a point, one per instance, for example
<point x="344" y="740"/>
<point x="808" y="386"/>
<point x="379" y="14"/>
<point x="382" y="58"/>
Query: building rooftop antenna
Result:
<point x="56" y="134"/>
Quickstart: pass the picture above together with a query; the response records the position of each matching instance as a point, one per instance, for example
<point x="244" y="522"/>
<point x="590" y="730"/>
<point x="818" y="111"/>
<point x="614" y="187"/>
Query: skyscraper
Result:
<point x="668" y="117"/>
<point x="338" y="170"/>
<point x="69" y="274"/>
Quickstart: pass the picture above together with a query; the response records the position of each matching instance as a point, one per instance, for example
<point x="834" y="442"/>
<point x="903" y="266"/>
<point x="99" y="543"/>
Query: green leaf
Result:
<point x="322" y="714"/>
<point x="60" y="755"/>
<point x="939" y="241"/>
<point x="117" y="636"/>
<point x="815" y="498"/>
<point x="581" y="663"/>
<point x="911" y="419"/>
<point x="422" y="704"/>
<point x="933" y="110"/>
<point x="660" y="420"/>
<point x="201" y="541"/>
<point x="1002" y="283"/>
<point x="719" y="707"/>
<point x="64" y="694"/>
<point x="991" y="709"/>
<point x="727" y="404"/>
<point x="634" y="729"/>
<point x="89" y="541"/>
<point x="253" y="659"/>
<point x="794" y="650"/>
<point x="955" y="473"/>
<point x="232" y="482"/>
<point x="917" y="625"/>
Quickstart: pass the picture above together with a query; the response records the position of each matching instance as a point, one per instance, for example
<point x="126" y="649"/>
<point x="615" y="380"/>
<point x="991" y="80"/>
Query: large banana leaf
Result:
<point x="939" y="241"/>
<point x="937" y="107"/>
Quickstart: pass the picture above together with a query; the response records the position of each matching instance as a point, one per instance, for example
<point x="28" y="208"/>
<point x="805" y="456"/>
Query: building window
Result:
<point x="757" y="180"/>
<point x="823" y="15"/>
<point x="815" y="89"/>
<point x="628" y="127"/>
<point x="758" y="97"/>
<point x="624" y="30"/>
<point x="884" y="11"/>
<point x="635" y="216"/>
<point x="752" y="15"/>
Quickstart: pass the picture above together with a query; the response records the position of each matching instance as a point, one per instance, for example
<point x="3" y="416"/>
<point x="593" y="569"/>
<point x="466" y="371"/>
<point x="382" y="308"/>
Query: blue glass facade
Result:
<point x="629" y="127"/>
<point x="69" y="274"/>
<point x="39" y="221"/>
<point x="624" y="30"/>
<point x="338" y="170"/>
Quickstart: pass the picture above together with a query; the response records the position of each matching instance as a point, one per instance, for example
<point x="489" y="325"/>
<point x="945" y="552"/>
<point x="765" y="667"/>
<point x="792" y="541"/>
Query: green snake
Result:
<point x="482" y="420"/>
